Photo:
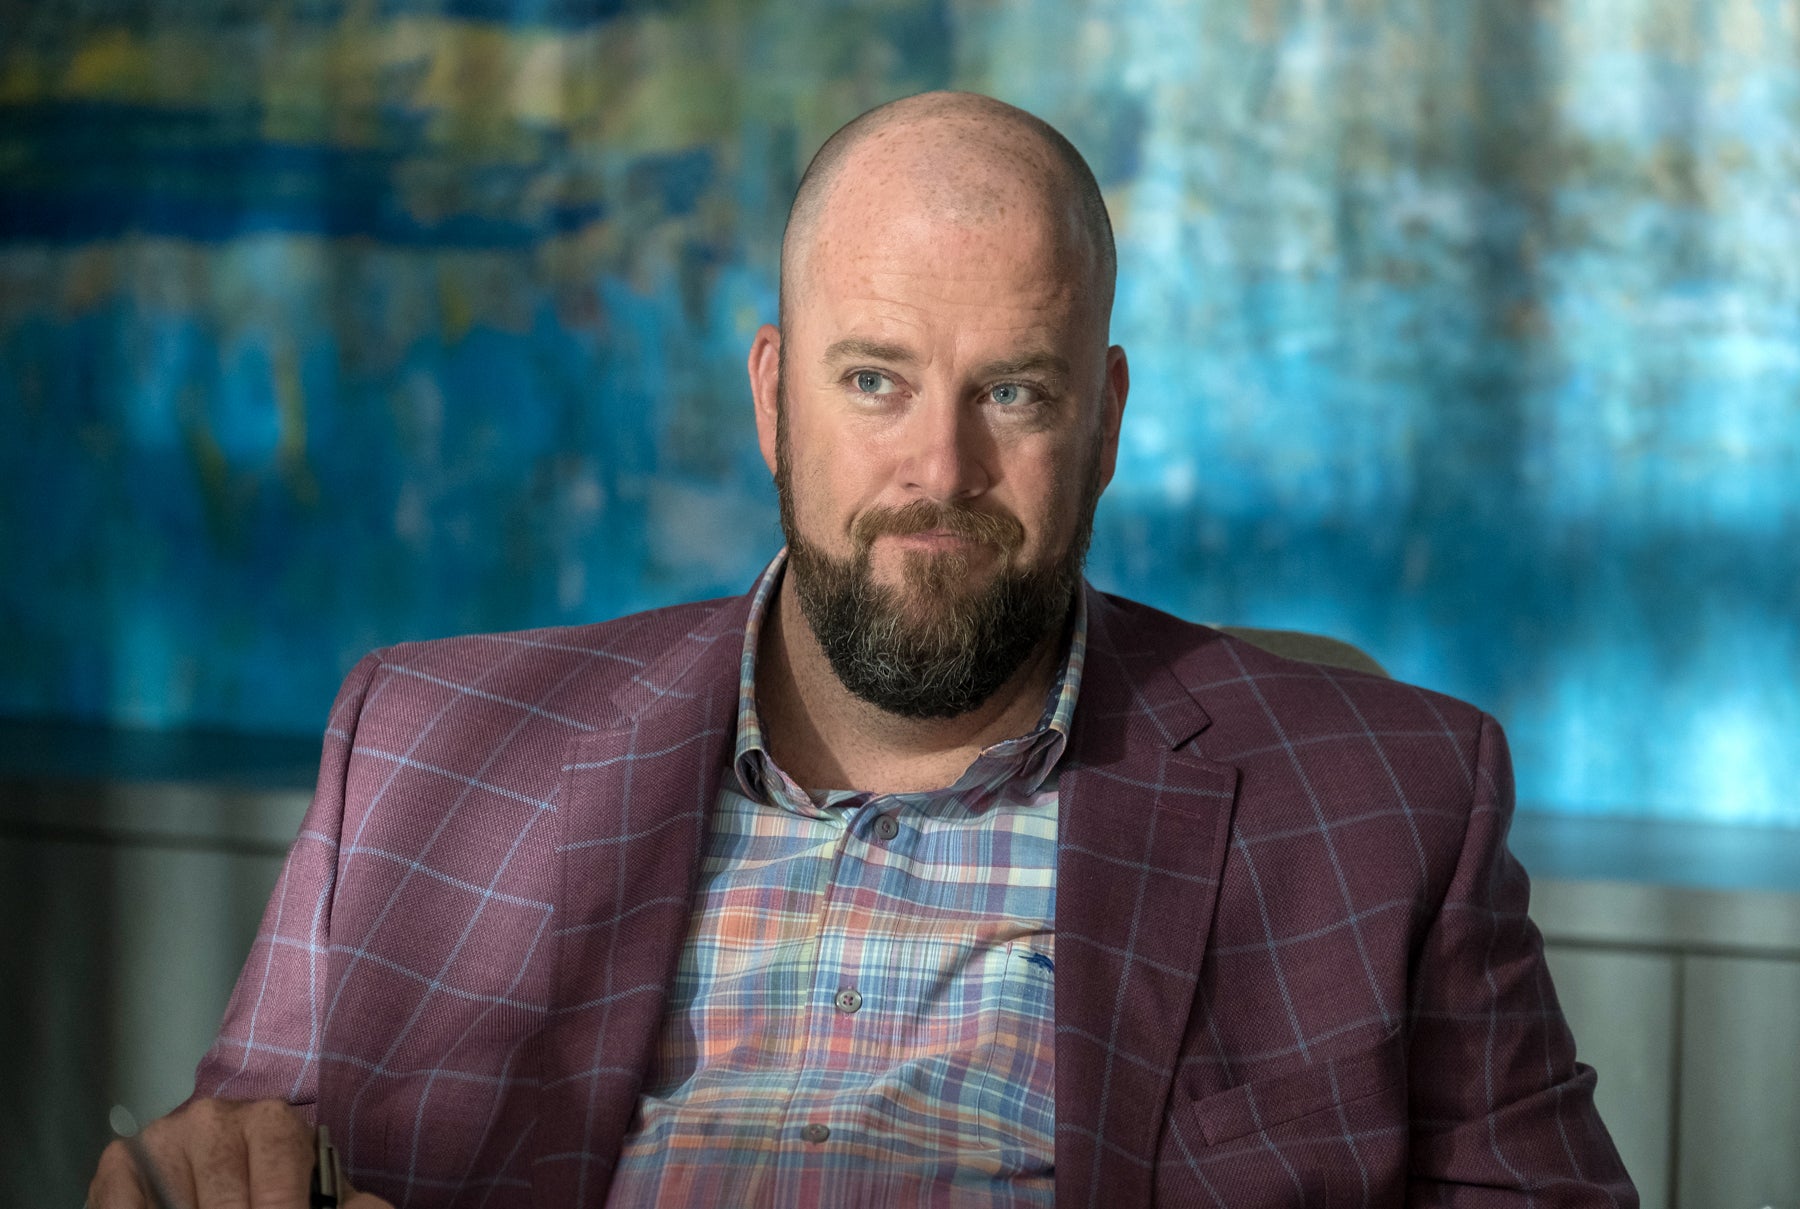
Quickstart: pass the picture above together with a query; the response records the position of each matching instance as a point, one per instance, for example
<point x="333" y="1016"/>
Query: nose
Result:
<point x="947" y="450"/>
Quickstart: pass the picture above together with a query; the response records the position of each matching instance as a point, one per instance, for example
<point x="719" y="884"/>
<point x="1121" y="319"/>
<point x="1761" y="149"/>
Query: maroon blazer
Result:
<point x="1293" y="963"/>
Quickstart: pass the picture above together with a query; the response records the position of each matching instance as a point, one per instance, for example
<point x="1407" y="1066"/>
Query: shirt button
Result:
<point x="848" y="1000"/>
<point x="887" y="827"/>
<point x="815" y="1133"/>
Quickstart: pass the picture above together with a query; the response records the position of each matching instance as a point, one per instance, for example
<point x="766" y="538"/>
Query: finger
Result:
<point x="115" y="1183"/>
<point x="160" y="1162"/>
<point x="352" y="1199"/>
<point x="150" y="1174"/>
<point x="279" y="1146"/>
<point x="221" y="1167"/>
<point x="167" y="1144"/>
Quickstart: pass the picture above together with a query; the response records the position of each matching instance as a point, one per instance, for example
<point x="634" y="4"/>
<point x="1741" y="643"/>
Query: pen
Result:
<point x="160" y="1197"/>
<point x="125" y="1128"/>
<point x="328" y="1175"/>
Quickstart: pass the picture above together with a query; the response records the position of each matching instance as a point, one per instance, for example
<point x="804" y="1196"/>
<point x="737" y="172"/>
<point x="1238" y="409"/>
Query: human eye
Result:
<point x="871" y="382"/>
<point x="1013" y="396"/>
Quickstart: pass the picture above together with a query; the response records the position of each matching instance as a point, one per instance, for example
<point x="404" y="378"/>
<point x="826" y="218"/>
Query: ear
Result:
<point x="1112" y="411"/>
<point x="765" y="387"/>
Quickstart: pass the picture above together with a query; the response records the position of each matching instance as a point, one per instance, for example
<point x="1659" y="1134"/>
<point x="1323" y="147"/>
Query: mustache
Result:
<point x="923" y="516"/>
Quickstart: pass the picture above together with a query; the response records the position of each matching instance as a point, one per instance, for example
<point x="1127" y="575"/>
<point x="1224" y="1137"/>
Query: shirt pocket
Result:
<point x="1018" y="1097"/>
<point x="1262" y="1105"/>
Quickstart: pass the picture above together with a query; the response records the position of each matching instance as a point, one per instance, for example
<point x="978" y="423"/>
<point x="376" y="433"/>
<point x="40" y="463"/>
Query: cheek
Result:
<point x="828" y="483"/>
<point x="1052" y="506"/>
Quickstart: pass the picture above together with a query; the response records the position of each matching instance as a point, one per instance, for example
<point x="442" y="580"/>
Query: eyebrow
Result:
<point x="1047" y="364"/>
<point x="853" y="348"/>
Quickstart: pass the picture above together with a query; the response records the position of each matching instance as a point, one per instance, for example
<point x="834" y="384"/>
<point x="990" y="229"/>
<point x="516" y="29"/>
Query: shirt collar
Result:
<point x="1030" y="757"/>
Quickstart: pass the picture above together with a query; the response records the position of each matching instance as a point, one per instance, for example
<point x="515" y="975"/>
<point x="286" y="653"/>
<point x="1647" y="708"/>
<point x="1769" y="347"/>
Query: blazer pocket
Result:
<point x="1263" y="1104"/>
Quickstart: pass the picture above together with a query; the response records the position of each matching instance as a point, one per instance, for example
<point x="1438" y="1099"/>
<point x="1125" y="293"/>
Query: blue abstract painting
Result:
<point x="1469" y="333"/>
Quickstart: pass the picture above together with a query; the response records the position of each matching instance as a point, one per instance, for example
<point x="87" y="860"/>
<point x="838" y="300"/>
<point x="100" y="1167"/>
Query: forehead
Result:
<point x="914" y="237"/>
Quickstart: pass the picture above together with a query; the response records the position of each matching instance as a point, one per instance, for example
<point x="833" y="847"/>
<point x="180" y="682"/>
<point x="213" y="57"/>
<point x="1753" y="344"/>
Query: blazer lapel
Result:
<point x="634" y="804"/>
<point x="1144" y="826"/>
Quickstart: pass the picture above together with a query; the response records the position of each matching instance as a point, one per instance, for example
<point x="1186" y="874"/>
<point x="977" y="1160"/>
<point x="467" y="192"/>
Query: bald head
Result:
<point x="965" y="158"/>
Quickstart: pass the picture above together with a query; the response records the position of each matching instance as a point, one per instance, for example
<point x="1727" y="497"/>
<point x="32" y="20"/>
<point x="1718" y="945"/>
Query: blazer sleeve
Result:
<point x="1502" y="1113"/>
<point x="268" y="1045"/>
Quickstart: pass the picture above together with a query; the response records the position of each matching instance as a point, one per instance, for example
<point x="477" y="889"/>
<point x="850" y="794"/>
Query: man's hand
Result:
<point x="221" y="1153"/>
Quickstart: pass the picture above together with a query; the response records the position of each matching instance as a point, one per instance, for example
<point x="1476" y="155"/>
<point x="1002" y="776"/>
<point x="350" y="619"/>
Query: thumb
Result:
<point x="361" y="1200"/>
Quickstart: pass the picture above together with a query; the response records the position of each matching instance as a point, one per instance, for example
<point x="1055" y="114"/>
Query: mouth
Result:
<point x="935" y="539"/>
<point x="925" y="528"/>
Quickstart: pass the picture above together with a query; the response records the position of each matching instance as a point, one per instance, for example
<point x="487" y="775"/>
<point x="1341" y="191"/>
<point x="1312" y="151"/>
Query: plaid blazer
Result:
<point x="1293" y="963"/>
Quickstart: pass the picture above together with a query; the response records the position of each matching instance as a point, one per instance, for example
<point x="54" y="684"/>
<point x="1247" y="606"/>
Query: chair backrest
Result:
<point x="1311" y="648"/>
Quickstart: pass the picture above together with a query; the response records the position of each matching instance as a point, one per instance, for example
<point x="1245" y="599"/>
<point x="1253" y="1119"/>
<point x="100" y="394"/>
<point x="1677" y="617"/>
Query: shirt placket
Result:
<point x="840" y="1016"/>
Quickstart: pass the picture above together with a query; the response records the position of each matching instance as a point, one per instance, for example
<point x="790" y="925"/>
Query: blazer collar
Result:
<point x="633" y="807"/>
<point x="1144" y="822"/>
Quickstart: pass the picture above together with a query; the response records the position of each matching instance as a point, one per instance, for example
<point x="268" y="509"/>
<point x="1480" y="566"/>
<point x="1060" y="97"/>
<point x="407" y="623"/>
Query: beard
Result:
<point x="932" y="647"/>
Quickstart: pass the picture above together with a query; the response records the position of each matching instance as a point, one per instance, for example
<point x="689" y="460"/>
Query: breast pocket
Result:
<point x="1329" y="1134"/>
<point x="1337" y="1083"/>
<point x="1019" y="1090"/>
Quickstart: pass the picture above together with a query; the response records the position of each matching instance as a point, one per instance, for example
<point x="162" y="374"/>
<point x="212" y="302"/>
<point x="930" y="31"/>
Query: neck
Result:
<point x="825" y="737"/>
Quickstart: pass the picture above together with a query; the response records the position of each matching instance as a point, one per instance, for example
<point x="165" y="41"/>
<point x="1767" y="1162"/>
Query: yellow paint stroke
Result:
<point x="214" y="474"/>
<point x="290" y="449"/>
<point x="90" y="276"/>
<point x="167" y="67"/>
<point x="682" y="86"/>
<point x="23" y="78"/>
<point x="354" y="84"/>
<point x="112" y="64"/>
<point x="637" y="84"/>
<point x="293" y="101"/>
<point x="456" y="306"/>
<point x="470" y="89"/>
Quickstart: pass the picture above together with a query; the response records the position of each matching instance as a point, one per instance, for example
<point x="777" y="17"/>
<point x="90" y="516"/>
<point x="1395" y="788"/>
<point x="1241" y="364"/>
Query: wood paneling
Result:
<point x="1622" y="1009"/>
<point x="1740" y="1083"/>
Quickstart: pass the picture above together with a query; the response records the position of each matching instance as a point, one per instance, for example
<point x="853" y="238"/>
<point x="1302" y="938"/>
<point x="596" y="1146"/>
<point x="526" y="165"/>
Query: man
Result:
<point x="923" y="874"/>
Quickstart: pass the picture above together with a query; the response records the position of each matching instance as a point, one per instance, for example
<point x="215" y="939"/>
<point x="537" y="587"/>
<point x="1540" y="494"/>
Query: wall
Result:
<point x="1466" y="332"/>
<point x="135" y="901"/>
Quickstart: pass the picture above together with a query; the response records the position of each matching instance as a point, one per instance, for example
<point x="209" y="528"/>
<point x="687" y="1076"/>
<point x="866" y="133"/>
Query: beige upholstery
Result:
<point x="1311" y="648"/>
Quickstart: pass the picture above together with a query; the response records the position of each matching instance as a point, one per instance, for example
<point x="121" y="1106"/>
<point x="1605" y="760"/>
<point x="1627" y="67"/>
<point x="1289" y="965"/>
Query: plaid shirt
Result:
<point x="862" y="1014"/>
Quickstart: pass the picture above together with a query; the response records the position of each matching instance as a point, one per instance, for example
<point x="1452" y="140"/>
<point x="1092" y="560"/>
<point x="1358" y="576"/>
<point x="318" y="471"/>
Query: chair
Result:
<point x="1309" y="648"/>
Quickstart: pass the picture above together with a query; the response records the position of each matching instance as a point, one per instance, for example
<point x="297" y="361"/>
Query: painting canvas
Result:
<point x="1468" y="333"/>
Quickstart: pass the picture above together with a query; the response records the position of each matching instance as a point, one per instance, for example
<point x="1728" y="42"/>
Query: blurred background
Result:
<point x="1467" y="332"/>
